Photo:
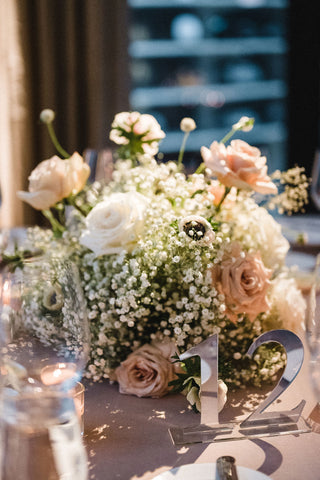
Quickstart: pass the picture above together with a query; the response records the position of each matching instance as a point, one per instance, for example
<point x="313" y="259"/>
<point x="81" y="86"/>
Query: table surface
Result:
<point x="127" y="437"/>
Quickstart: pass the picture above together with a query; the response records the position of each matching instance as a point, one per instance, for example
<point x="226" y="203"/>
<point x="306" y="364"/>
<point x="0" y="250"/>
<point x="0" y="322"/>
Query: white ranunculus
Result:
<point x="115" y="224"/>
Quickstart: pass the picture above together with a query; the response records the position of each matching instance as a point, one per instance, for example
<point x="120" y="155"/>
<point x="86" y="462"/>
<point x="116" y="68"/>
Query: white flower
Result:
<point x="187" y="124"/>
<point x="115" y="224"/>
<point x="47" y="115"/>
<point x="245" y="124"/>
<point x="273" y="245"/>
<point x="289" y="303"/>
<point x="265" y="235"/>
<point x="197" y="228"/>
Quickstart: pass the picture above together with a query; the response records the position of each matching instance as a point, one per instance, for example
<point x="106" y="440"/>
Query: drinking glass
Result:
<point x="44" y="345"/>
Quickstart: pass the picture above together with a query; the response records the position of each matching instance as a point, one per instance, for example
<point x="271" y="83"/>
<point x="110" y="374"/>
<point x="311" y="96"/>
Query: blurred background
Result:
<point x="213" y="60"/>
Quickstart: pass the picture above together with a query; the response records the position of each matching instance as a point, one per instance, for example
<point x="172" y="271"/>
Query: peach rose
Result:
<point x="244" y="281"/>
<point x="239" y="165"/>
<point x="147" y="371"/>
<point x="217" y="191"/>
<point x="55" y="179"/>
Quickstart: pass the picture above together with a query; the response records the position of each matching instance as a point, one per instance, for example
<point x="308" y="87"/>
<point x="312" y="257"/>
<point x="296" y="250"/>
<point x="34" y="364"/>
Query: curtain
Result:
<point x="15" y="138"/>
<point x="73" y="59"/>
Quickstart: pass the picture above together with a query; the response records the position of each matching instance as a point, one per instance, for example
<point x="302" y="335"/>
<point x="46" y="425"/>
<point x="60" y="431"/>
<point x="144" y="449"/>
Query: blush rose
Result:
<point x="144" y="126"/>
<point x="115" y="224"/>
<point x="244" y="281"/>
<point x="147" y="371"/>
<point x="238" y="165"/>
<point x="55" y="179"/>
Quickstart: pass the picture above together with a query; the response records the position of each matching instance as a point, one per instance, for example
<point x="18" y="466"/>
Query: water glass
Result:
<point x="44" y="345"/>
<point x="40" y="437"/>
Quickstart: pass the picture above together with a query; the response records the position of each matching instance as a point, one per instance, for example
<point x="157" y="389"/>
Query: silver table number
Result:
<point x="259" y="423"/>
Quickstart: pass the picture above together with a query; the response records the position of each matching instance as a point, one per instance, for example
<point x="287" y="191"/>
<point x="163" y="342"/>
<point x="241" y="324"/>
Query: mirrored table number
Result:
<point x="259" y="423"/>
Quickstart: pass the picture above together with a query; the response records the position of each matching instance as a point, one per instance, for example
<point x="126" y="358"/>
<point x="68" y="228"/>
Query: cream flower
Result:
<point x="268" y="234"/>
<point x="289" y="303"/>
<point x="244" y="281"/>
<point x="187" y="124"/>
<point x="47" y="115"/>
<point x="115" y="224"/>
<point x="238" y="165"/>
<point x="245" y="124"/>
<point x="55" y="179"/>
<point x="146" y="373"/>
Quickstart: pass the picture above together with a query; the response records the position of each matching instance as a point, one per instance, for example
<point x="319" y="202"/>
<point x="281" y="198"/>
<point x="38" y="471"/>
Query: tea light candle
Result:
<point x="57" y="373"/>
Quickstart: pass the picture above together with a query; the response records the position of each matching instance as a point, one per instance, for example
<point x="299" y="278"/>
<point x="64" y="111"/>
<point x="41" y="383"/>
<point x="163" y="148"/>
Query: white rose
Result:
<point x="115" y="224"/>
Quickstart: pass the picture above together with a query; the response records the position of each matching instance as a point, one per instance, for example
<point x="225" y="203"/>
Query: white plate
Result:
<point x="207" y="471"/>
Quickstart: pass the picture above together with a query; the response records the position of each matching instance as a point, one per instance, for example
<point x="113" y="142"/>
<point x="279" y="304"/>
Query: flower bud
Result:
<point x="245" y="124"/>
<point x="187" y="124"/>
<point x="47" y="115"/>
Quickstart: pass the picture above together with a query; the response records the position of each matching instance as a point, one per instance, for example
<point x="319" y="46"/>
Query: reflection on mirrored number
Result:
<point x="208" y="353"/>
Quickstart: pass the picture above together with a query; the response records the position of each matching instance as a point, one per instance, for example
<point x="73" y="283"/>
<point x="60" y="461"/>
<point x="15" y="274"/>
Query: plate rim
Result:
<point x="262" y="476"/>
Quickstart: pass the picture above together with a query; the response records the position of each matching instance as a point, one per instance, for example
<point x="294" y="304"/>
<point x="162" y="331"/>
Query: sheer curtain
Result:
<point x="70" y="56"/>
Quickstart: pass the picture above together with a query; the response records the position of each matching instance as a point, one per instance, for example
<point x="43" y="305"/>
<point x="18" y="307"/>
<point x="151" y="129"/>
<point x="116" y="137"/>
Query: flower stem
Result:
<point x="55" y="141"/>
<point x="228" y="136"/>
<point x="200" y="169"/>
<point x="226" y="192"/>
<point x="182" y="148"/>
<point x="71" y="200"/>
<point x="57" y="228"/>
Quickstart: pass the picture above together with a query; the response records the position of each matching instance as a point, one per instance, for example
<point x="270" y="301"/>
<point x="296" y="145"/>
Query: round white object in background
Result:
<point x="187" y="27"/>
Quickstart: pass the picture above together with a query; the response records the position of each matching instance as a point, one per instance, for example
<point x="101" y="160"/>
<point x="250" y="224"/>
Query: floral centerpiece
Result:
<point x="168" y="259"/>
